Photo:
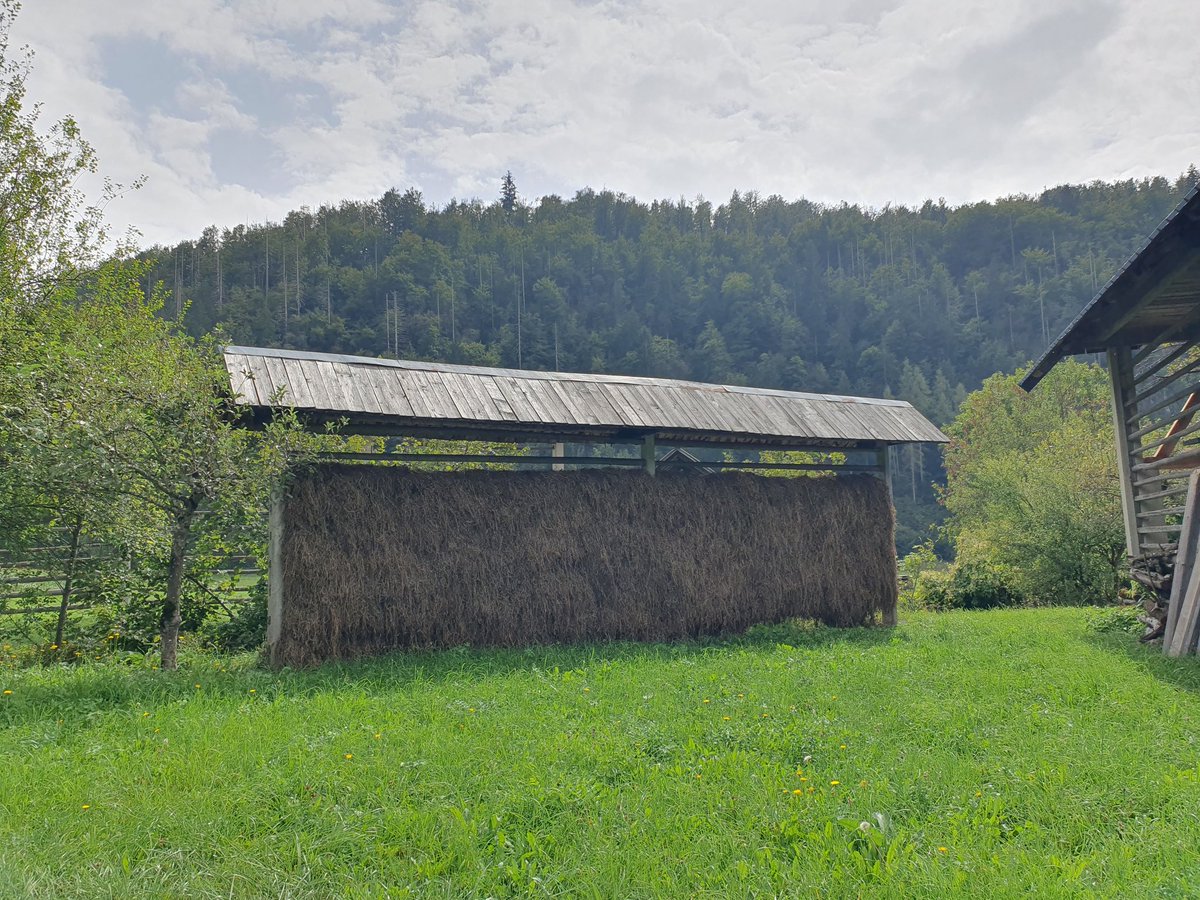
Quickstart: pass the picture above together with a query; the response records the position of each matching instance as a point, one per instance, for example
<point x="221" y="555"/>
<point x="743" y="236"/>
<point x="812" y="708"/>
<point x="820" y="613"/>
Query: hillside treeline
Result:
<point x="918" y="303"/>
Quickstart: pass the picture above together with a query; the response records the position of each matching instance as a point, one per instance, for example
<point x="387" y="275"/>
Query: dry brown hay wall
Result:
<point x="379" y="558"/>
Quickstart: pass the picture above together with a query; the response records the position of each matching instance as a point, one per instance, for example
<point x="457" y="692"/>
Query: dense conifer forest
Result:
<point x="917" y="303"/>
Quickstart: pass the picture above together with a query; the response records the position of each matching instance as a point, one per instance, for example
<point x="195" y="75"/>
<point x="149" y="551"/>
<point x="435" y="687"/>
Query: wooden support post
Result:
<point x="275" y="570"/>
<point x="884" y="461"/>
<point x="1185" y="563"/>
<point x="883" y="458"/>
<point x="1120" y="373"/>
<point x="648" y="454"/>
<point x="559" y="451"/>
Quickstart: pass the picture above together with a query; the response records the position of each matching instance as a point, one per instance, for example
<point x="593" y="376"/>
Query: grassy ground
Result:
<point x="991" y="754"/>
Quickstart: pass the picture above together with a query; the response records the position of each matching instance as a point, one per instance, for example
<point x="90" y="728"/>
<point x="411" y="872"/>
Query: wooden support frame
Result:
<point x="1120" y="372"/>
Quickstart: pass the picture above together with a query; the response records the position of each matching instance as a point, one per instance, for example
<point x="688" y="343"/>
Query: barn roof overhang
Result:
<point x="1153" y="298"/>
<point x="434" y="400"/>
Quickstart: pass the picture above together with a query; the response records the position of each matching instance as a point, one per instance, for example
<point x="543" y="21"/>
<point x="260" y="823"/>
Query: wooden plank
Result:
<point x="262" y="379"/>
<point x="1179" y="429"/>
<point x="1184" y="583"/>
<point x="334" y="391"/>
<point x="275" y="586"/>
<point x="1158" y="340"/>
<point x="1169" y="492"/>
<point x="314" y="378"/>
<point x="630" y="404"/>
<point x="389" y="392"/>
<point x="1153" y="389"/>
<point x="488" y="410"/>
<point x="1185" y="459"/>
<point x="241" y="381"/>
<point x="1159" y="365"/>
<point x="499" y="400"/>
<point x="302" y="397"/>
<point x="281" y="380"/>
<point x="469" y="405"/>
<point x="567" y="398"/>
<point x="599" y="405"/>
<point x="652" y="413"/>
<point x="516" y="400"/>
<point x="529" y="388"/>
<point x="1120" y="371"/>
<point x="703" y="416"/>
<point x="416" y="389"/>
<point x="549" y="400"/>
<point x="360" y="397"/>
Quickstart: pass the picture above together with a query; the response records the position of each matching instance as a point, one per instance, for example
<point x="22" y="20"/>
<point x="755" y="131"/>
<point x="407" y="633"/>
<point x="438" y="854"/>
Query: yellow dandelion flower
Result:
<point x="6" y="693"/>
<point x="587" y="690"/>
<point x="54" y="646"/>
<point x="378" y="736"/>
<point x="145" y="714"/>
<point x="843" y="746"/>
<point x="87" y="806"/>
<point x="726" y="718"/>
<point x="253" y="691"/>
<point x="803" y="778"/>
<point x="765" y="715"/>
<point x="706" y="700"/>
<point x="349" y="756"/>
<point x="798" y="791"/>
<point x="835" y="782"/>
<point x="941" y="850"/>
<point x="197" y="685"/>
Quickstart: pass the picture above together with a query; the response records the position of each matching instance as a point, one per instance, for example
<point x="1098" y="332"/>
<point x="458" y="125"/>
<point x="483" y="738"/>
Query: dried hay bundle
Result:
<point x="379" y="558"/>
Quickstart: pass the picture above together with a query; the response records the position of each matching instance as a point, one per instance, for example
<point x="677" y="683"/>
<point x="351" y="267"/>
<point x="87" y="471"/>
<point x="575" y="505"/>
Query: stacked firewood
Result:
<point x="1153" y="571"/>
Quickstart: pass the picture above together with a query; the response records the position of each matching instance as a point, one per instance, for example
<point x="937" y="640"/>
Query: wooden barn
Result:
<point x="1146" y="321"/>
<point x="371" y="552"/>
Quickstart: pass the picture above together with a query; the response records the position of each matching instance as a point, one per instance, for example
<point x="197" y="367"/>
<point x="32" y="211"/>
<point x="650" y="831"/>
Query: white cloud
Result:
<point x="869" y="101"/>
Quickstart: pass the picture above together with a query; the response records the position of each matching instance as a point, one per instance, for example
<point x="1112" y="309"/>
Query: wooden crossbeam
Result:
<point x="1167" y="447"/>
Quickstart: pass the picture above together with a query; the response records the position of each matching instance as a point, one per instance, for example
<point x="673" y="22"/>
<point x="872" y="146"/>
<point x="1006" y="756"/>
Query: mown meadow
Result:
<point x="972" y="753"/>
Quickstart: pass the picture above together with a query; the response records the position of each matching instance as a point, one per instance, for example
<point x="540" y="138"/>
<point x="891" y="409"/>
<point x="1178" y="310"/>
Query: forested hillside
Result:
<point x="921" y="304"/>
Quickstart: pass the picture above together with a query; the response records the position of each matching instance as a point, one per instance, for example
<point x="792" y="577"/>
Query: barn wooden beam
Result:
<point x="1120" y="371"/>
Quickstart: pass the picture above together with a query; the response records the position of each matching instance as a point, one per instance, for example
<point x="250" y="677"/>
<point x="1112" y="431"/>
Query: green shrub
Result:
<point x="931" y="590"/>
<point x="246" y="630"/>
<point x="981" y="585"/>
<point x="1115" y="620"/>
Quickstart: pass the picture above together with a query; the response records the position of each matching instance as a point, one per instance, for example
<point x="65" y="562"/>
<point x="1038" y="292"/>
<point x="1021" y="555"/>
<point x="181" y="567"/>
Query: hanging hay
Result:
<point x="379" y="558"/>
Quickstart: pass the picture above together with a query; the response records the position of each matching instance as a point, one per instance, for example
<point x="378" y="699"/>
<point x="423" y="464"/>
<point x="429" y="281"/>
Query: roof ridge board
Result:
<point x="488" y="371"/>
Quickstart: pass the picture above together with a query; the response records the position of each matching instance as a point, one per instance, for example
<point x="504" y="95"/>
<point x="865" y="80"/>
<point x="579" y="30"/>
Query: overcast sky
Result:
<point x="241" y="110"/>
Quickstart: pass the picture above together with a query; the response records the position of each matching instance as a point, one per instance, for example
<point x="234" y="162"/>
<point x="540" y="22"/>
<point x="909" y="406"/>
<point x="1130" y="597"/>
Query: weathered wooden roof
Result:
<point x="1154" y="298"/>
<point x="384" y="396"/>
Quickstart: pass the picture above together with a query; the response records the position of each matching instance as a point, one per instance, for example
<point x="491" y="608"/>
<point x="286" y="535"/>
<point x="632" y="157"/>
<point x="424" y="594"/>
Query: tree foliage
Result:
<point x="1032" y="485"/>
<point x="114" y="423"/>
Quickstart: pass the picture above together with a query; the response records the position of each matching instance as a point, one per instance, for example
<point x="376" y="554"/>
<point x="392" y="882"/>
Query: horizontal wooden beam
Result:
<point x="626" y="462"/>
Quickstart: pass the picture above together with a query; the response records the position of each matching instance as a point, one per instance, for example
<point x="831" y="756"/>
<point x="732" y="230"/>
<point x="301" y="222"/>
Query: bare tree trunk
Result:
<point x="68" y="578"/>
<point x="171" y="617"/>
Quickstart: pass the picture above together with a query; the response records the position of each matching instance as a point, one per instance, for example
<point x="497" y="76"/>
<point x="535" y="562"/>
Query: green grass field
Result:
<point x="991" y="754"/>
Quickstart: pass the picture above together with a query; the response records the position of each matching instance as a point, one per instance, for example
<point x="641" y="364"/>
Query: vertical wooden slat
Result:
<point x="1120" y="371"/>
<point x="1185" y="560"/>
